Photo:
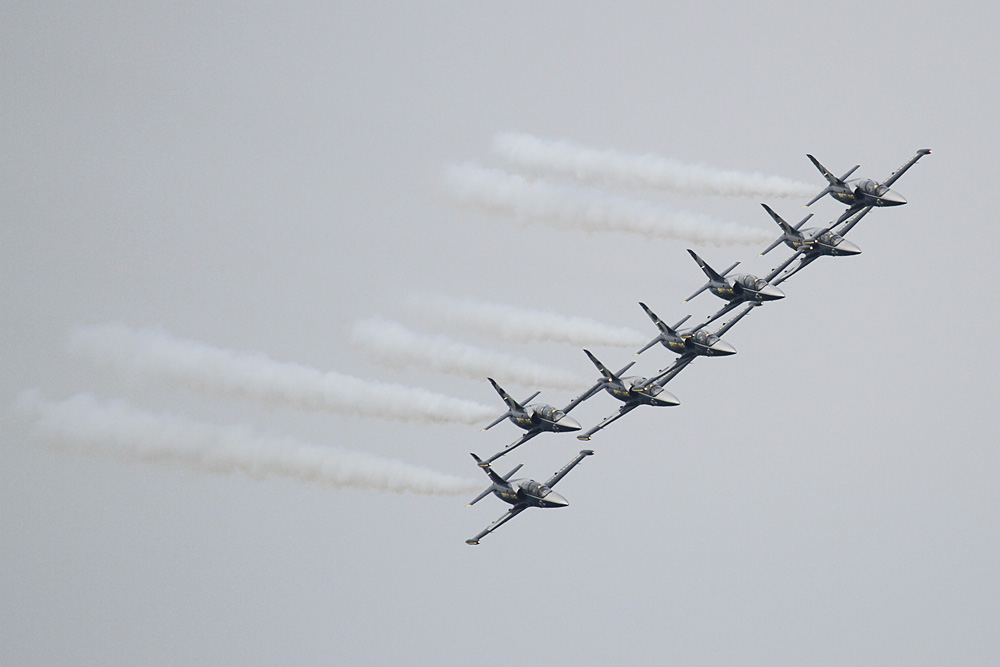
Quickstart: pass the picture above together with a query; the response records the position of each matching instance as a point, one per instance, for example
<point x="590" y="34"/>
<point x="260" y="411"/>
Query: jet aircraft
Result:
<point x="521" y="493"/>
<point x="859" y="193"/>
<point x="736" y="289"/>
<point x="695" y="341"/>
<point x="534" y="418"/>
<point x="631" y="391"/>
<point x="809" y="244"/>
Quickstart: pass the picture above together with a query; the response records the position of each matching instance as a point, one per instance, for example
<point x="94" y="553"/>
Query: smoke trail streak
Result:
<point x="394" y="344"/>
<point x="522" y="325"/>
<point x="113" y="428"/>
<point x="148" y="354"/>
<point x="575" y="207"/>
<point x="595" y="165"/>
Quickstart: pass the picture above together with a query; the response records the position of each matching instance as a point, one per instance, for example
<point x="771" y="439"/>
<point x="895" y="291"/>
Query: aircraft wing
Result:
<point x="729" y="325"/>
<point x="620" y="412"/>
<point x="584" y="396"/>
<point x="851" y="221"/>
<point x="514" y="445"/>
<point x="551" y="481"/>
<point x="511" y="513"/>
<point x="781" y="267"/>
<point x="909" y="163"/>
<point x="732" y="305"/>
<point x="806" y="261"/>
<point x="671" y="372"/>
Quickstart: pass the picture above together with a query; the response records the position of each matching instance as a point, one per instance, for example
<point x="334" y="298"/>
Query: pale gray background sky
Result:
<point x="258" y="176"/>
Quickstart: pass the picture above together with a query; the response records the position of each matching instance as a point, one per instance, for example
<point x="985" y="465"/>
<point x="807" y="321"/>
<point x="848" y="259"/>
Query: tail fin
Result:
<point x="787" y="231"/>
<point x="661" y="325"/>
<point x="511" y="403"/>
<point x="601" y="367"/>
<point x="709" y="271"/>
<point x="785" y="227"/>
<point x="497" y="479"/>
<point x="830" y="178"/>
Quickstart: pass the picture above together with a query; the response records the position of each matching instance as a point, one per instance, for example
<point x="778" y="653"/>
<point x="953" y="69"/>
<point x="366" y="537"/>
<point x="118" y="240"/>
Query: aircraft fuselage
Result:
<point x="827" y="243"/>
<point x="699" y="342"/>
<point x="640" y="390"/>
<point x="866" y="192"/>
<point x="546" y="418"/>
<point x="529" y="492"/>
<point x="745" y="287"/>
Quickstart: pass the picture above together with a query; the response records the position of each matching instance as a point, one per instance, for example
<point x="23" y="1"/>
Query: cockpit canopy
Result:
<point x="870" y="187"/>
<point x="751" y="282"/>
<point x="830" y="239"/>
<point x="535" y="489"/>
<point x="702" y="337"/>
<point x="549" y="413"/>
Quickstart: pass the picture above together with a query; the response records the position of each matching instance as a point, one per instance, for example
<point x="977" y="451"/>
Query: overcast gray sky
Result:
<point x="260" y="177"/>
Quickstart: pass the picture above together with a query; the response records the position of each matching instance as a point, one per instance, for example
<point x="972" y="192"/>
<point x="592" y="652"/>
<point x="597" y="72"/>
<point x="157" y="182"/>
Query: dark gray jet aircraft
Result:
<point x="736" y="289"/>
<point x="863" y="192"/>
<point x="521" y="493"/>
<point x="631" y="391"/>
<point x="693" y="342"/>
<point x="809" y="244"/>
<point x="534" y="418"/>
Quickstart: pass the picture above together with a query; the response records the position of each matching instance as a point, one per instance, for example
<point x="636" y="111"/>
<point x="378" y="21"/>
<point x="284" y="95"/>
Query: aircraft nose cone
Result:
<point x="721" y="348"/>
<point x="555" y="500"/>
<point x="567" y="423"/>
<point x="845" y="247"/>
<point x="770" y="293"/>
<point x="666" y="398"/>
<point x="892" y="198"/>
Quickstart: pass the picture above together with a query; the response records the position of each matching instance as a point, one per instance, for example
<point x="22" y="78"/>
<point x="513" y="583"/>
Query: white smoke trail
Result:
<point x="575" y="207"/>
<point x="149" y="354"/>
<point x="595" y="165"/>
<point x="523" y="325"/>
<point x="115" y="429"/>
<point x="394" y="344"/>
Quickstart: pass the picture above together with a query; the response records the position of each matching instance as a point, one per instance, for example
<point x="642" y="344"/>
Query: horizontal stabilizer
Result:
<point x="849" y="172"/>
<point x="511" y="473"/>
<point x="823" y="192"/>
<point x="802" y="222"/>
<point x="497" y="421"/>
<point x="624" y="368"/>
<point x="681" y="321"/>
<point x="649" y="344"/>
<point x="480" y="496"/>
<point x="700" y="290"/>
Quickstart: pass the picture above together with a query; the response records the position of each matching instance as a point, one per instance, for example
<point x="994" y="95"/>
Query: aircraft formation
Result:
<point x="742" y="292"/>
